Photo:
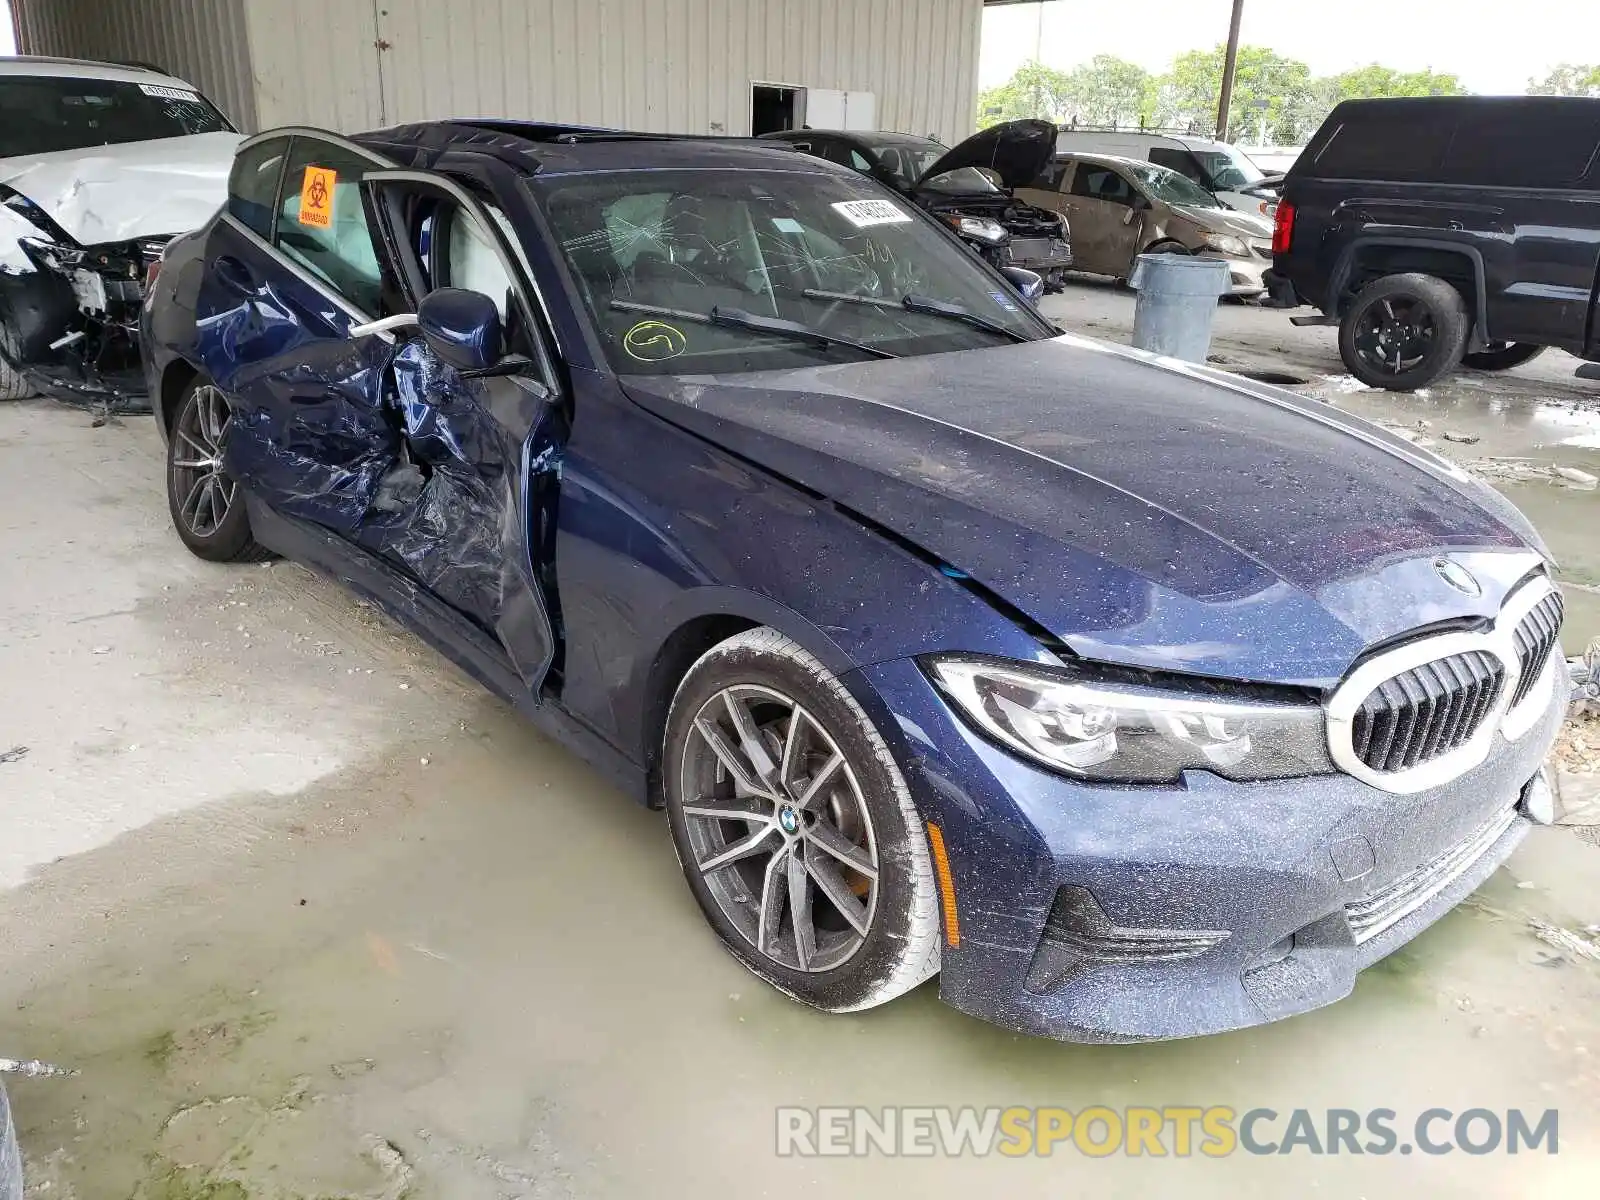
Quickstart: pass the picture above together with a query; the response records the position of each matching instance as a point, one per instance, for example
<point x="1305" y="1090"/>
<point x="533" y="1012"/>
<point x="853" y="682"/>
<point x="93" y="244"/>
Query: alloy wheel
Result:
<point x="200" y="484"/>
<point x="779" y="829"/>
<point x="1395" y="333"/>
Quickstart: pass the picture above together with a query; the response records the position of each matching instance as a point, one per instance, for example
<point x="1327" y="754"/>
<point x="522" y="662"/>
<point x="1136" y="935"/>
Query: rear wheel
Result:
<point x="795" y="829"/>
<point x="1502" y="356"/>
<point x="207" y="509"/>
<point x="1402" y="332"/>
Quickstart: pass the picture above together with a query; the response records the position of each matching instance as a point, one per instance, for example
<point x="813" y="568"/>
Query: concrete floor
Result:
<point x="313" y="916"/>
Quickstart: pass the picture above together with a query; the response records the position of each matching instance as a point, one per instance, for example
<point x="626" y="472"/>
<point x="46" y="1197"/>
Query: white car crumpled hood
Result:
<point x="137" y="189"/>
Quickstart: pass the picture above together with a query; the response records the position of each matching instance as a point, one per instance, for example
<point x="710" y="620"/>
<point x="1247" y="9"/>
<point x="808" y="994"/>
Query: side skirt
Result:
<point x="445" y="630"/>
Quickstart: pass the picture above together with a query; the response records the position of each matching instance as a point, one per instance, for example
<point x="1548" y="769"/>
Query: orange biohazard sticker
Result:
<point x="316" y="197"/>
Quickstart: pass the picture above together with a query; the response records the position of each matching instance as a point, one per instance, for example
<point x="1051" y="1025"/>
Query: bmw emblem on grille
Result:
<point x="1457" y="576"/>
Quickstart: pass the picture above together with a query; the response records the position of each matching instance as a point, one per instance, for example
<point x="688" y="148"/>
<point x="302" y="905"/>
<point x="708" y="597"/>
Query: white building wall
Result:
<point x="203" y="41"/>
<point x="682" y="66"/>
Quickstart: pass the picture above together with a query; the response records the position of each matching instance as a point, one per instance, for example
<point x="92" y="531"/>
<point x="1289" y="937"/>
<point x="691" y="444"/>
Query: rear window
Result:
<point x="46" y="114"/>
<point x="1529" y="144"/>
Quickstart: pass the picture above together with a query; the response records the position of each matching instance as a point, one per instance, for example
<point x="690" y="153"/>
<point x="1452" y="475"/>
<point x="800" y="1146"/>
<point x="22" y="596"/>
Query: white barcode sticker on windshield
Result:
<point x="862" y="213"/>
<point x="167" y="93"/>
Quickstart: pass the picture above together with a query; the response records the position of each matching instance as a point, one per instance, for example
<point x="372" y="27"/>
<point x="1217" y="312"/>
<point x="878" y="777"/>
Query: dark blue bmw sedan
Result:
<point x="1133" y="699"/>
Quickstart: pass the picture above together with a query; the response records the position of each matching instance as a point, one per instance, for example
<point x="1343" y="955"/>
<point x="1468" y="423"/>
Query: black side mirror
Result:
<point x="461" y="327"/>
<point x="1029" y="283"/>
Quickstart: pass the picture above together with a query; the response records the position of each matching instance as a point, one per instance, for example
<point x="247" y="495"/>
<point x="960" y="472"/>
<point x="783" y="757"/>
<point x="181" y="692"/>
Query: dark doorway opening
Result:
<point x="773" y="109"/>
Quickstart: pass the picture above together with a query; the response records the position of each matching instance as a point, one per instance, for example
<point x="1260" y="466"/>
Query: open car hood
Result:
<point x="1017" y="151"/>
<point x="137" y="189"/>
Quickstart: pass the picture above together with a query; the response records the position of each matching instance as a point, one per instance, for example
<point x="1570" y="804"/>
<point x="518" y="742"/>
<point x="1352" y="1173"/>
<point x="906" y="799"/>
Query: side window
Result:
<point x="835" y="152"/>
<point x="253" y="184"/>
<point x="1386" y="141"/>
<point x="322" y="224"/>
<point x="1534" y="142"/>
<point x="472" y="261"/>
<point x="1101" y="183"/>
<point x="1180" y="161"/>
<point x="860" y="162"/>
<point x="1050" y="178"/>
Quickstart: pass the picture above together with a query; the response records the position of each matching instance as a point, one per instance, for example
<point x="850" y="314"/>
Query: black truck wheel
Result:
<point x="1402" y="332"/>
<point x="1502" y="356"/>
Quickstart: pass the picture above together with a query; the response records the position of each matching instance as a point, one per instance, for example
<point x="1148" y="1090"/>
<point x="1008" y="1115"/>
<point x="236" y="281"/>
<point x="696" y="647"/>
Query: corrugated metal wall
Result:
<point x="202" y="41"/>
<point x="317" y="62"/>
<point x="675" y="65"/>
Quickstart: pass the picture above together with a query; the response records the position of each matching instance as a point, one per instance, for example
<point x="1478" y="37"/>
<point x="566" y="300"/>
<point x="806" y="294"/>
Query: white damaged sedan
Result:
<point x="100" y="166"/>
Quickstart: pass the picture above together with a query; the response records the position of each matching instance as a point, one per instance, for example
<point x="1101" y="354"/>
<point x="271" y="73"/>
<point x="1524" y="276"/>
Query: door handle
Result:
<point x="233" y="274"/>
<point x="1457" y="226"/>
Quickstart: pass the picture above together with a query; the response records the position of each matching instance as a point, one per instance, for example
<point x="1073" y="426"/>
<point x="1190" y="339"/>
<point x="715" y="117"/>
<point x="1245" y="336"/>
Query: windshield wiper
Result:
<point x="926" y="306"/>
<point x="738" y="318"/>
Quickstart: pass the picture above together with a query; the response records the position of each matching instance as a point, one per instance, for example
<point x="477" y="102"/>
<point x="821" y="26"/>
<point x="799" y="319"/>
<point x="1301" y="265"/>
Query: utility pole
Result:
<point x="1229" y="65"/>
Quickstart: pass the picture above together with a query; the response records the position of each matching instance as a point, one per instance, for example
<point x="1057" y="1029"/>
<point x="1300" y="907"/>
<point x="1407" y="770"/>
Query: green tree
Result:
<point x="1035" y="91"/>
<point x="1267" y="90"/>
<point x="1373" y="81"/>
<point x="1302" y="117"/>
<point x="1567" y="80"/>
<point x="1107" y="90"/>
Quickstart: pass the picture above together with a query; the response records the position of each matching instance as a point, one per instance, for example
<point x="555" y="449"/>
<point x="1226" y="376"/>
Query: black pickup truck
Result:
<point x="1442" y="230"/>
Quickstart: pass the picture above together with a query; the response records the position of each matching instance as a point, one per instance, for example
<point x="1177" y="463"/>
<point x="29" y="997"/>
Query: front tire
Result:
<point x="795" y="829"/>
<point x="1402" y="332"/>
<point x="207" y="508"/>
<point x="1502" y="356"/>
<point x="12" y="384"/>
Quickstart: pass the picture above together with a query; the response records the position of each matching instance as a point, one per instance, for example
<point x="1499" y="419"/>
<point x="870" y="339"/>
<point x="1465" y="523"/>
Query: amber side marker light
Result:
<point x="947" y="885"/>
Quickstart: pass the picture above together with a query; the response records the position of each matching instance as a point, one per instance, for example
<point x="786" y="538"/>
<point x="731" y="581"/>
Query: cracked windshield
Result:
<point x="685" y="272"/>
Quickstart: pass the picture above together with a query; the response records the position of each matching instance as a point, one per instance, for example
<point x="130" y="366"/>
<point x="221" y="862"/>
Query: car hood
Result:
<point x="1227" y="220"/>
<point x="137" y="189"/>
<point x="1017" y="151"/>
<point x="1143" y="511"/>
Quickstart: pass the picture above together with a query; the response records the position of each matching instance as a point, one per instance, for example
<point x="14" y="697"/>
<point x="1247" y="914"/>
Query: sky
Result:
<point x="1495" y="46"/>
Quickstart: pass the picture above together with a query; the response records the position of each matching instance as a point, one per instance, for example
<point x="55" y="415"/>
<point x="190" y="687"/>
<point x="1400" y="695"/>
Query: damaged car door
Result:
<point x="1104" y="210"/>
<point x="292" y="267"/>
<point x="467" y="507"/>
<point x="344" y="415"/>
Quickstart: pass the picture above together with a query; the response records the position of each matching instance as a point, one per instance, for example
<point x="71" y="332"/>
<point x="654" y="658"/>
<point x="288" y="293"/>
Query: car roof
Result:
<point x="865" y="137"/>
<point x="548" y="149"/>
<point x="1529" y="104"/>
<point x="82" y="68"/>
<point x="1105" y="160"/>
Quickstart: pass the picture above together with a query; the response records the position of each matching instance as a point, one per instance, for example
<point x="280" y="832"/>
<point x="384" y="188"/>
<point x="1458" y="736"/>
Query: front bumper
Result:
<point x="1090" y="912"/>
<point x="1039" y="254"/>
<point x="1246" y="276"/>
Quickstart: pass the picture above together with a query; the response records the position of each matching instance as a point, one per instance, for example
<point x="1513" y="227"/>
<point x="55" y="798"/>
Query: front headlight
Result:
<point x="1130" y="733"/>
<point x="982" y="229"/>
<point x="1223" y="244"/>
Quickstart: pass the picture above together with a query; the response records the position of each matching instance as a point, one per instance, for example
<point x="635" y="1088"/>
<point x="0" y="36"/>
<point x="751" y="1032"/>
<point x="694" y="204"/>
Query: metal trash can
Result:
<point x="1177" y="303"/>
